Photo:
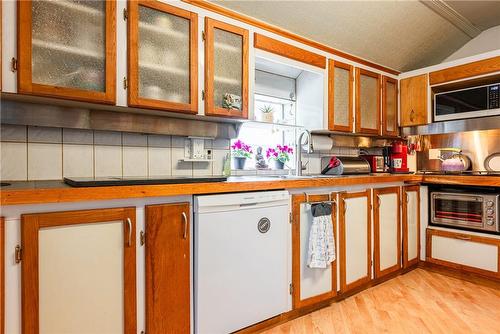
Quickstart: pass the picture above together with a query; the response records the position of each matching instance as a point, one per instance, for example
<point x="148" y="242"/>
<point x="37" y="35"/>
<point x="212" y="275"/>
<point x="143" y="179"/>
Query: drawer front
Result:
<point x="461" y="251"/>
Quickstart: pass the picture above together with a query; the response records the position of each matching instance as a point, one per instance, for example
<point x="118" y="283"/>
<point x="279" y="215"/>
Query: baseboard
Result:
<point x="468" y="276"/>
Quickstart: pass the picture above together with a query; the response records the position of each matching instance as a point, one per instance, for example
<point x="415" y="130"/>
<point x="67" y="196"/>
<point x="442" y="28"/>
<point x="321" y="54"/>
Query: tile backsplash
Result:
<point x="43" y="153"/>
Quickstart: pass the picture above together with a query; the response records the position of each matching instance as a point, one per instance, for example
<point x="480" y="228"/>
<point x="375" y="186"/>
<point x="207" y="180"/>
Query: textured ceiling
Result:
<point x="403" y="35"/>
<point x="482" y="14"/>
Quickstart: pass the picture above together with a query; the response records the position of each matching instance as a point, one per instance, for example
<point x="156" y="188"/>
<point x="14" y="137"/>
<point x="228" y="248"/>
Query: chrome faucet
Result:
<point x="298" y="162"/>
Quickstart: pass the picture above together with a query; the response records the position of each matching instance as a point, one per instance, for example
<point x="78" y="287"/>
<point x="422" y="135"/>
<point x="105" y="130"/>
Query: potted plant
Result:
<point x="280" y="155"/>
<point x="267" y="113"/>
<point x="241" y="152"/>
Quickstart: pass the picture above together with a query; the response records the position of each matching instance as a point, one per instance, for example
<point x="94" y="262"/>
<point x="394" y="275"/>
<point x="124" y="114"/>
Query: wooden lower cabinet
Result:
<point x="411" y="224"/>
<point x="168" y="268"/>
<point x="355" y="239"/>
<point x="466" y="252"/>
<point x="310" y="285"/>
<point x="79" y="272"/>
<point x="386" y="231"/>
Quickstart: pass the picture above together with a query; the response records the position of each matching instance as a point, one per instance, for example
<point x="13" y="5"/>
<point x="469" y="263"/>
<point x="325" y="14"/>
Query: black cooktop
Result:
<point x="129" y="181"/>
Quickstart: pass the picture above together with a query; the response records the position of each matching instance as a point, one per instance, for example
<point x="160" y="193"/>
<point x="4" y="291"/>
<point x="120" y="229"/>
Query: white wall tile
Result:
<point x="180" y="168"/>
<point x="218" y="164"/>
<point x="107" y="160"/>
<point x="44" y="161"/>
<point x="159" y="141"/>
<point x="135" y="139"/>
<point x="179" y="142"/>
<point x="13" y="133"/>
<point x="78" y="160"/>
<point x="14" y="161"/>
<point x="314" y="165"/>
<point x="159" y="161"/>
<point x="202" y="169"/>
<point x="40" y="134"/>
<point x="221" y="143"/>
<point x="135" y="161"/>
<point x="107" y="138"/>
<point x="78" y="136"/>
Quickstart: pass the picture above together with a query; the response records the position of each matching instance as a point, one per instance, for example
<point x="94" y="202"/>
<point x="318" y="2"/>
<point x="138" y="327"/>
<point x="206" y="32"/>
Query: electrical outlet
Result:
<point x="434" y="153"/>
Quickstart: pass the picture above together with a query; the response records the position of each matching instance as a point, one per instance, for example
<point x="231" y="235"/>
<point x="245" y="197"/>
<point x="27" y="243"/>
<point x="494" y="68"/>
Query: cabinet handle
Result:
<point x="184" y="218"/>
<point x="412" y="115"/>
<point x="463" y="237"/>
<point x="378" y="200"/>
<point x="345" y="206"/>
<point x="129" y="226"/>
<point x="407" y="198"/>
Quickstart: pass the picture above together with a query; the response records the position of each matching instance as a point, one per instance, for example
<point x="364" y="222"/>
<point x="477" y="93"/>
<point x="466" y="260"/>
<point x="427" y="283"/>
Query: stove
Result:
<point x="461" y="173"/>
<point x="128" y="181"/>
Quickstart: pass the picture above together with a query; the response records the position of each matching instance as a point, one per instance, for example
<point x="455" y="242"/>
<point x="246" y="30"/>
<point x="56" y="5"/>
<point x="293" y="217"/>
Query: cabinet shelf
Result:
<point x="76" y="7"/>
<point x="163" y="69"/>
<point x="76" y="51"/>
<point x="146" y="27"/>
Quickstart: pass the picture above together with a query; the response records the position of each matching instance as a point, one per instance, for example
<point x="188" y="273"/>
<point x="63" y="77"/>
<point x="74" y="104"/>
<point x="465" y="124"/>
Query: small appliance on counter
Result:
<point x="396" y="158"/>
<point x="333" y="165"/>
<point x="377" y="163"/>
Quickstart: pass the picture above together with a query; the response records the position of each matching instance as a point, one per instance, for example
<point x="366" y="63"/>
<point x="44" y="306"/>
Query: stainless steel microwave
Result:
<point x="472" y="102"/>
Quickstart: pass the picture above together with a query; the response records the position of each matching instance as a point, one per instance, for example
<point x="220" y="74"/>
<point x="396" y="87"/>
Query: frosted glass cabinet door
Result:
<point x="68" y="49"/>
<point x="367" y="102"/>
<point x="78" y="272"/>
<point x="389" y="106"/>
<point x="226" y="70"/>
<point x="340" y="94"/>
<point x="355" y="239"/>
<point x="163" y="53"/>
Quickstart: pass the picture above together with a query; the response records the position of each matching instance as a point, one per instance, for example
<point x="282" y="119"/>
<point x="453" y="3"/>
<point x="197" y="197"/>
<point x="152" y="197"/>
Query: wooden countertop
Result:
<point x="39" y="192"/>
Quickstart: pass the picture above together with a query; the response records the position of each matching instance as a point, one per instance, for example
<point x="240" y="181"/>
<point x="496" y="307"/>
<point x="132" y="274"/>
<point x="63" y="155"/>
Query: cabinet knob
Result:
<point x="412" y="115"/>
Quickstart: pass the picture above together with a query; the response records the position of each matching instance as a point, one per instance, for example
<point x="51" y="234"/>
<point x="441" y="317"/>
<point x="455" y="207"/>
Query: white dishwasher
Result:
<point x="242" y="271"/>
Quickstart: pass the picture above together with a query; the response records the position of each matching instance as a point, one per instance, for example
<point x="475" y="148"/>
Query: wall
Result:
<point x="42" y="153"/>
<point x="488" y="40"/>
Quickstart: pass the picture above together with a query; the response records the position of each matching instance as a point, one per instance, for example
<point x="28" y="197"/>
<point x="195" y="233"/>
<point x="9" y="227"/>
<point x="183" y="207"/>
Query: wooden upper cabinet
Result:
<point x="413" y="100"/>
<point x="480" y="67"/>
<point x="67" y="49"/>
<point x="367" y="101"/>
<point x="168" y="268"/>
<point x="79" y="272"/>
<point x="340" y="95"/>
<point x="389" y="106"/>
<point x="162" y="57"/>
<point x="226" y="70"/>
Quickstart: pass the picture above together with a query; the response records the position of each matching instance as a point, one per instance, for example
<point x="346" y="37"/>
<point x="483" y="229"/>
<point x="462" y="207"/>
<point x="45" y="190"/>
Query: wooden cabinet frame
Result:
<point x="360" y="72"/>
<point x="344" y="287"/>
<point x="332" y="64"/>
<point x="30" y="227"/>
<point x="461" y="236"/>
<point x="210" y="108"/>
<point x="386" y="132"/>
<point x="376" y="231"/>
<point x="297" y="200"/>
<point x="24" y="55"/>
<point x="167" y="277"/>
<point x="407" y="263"/>
<point x="134" y="99"/>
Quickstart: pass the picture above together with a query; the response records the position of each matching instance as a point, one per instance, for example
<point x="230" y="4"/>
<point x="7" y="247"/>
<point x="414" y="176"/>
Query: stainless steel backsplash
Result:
<point x="477" y="145"/>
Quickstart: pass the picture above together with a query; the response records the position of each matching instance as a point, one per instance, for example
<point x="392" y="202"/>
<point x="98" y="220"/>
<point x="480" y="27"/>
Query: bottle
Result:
<point x="227" y="165"/>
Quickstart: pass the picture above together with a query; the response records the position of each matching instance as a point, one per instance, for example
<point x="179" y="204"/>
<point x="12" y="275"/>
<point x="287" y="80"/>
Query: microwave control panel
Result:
<point x="493" y="97"/>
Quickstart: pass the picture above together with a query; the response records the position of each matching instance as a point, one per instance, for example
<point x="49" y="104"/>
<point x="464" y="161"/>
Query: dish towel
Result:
<point x="321" y="250"/>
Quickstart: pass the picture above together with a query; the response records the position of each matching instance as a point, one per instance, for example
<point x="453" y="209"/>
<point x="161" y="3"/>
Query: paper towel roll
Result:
<point x="321" y="143"/>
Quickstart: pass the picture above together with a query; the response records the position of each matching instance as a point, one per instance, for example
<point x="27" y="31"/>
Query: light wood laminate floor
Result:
<point x="417" y="302"/>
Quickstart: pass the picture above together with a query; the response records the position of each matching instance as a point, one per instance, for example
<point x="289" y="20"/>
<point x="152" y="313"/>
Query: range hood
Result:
<point x="461" y="125"/>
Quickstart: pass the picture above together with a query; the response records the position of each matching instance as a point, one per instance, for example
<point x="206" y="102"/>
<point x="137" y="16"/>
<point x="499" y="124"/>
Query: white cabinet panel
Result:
<point x="388" y="230"/>
<point x="413" y="224"/>
<point x="465" y="252"/>
<point x="81" y="278"/>
<point x="313" y="282"/>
